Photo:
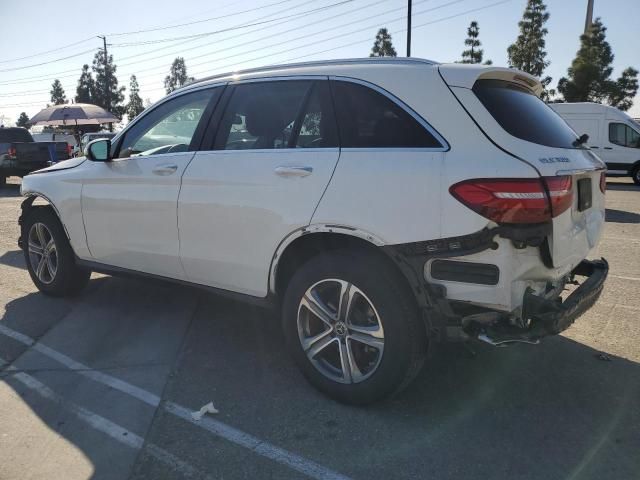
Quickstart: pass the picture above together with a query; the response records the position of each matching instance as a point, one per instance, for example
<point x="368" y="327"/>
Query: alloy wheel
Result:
<point x="340" y="331"/>
<point x="43" y="254"/>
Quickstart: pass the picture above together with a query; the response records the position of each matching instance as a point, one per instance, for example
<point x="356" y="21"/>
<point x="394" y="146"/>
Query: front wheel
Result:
<point x="50" y="260"/>
<point x="635" y="174"/>
<point x="352" y="327"/>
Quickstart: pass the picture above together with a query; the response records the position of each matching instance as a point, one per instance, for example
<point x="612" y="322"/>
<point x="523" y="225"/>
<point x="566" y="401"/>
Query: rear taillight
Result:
<point x="12" y="152"/>
<point x="603" y="182"/>
<point x="69" y="150"/>
<point x="560" y="192"/>
<point x="516" y="200"/>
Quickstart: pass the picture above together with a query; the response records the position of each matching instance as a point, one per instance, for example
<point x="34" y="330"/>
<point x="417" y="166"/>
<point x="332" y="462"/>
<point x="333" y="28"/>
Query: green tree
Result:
<point x="528" y="53"/>
<point x="23" y="121"/>
<point x="107" y="94"/>
<point x="589" y="77"/>
<point x="58" y="96"/>
<point x="474" y="53"/>
<point x="383" y="46"/>
<point x="135" y="106"/>
<point x="86" y="89"/>
<point x="177" y="75"/>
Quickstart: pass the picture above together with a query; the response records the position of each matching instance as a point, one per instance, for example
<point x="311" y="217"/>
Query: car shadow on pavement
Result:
<point x="555" y="410"/>
<point x="621" y="216"/>
<point x="14" y="258"/>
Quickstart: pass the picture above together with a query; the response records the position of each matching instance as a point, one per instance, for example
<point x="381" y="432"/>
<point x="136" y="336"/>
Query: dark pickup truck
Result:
<point x="20" y="154"/>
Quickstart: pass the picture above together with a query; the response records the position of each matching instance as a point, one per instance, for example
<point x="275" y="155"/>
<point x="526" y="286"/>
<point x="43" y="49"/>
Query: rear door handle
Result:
<point x="165" y="169"/>
<point x="608" y="148"/>
<point x="290" y="171"/>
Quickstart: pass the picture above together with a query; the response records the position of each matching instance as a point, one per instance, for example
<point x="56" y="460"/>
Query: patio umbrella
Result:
<point x="73" y="114"/>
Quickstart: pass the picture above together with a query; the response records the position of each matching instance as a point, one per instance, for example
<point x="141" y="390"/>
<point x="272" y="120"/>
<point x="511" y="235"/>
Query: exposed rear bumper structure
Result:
<point x="545" y="316"/>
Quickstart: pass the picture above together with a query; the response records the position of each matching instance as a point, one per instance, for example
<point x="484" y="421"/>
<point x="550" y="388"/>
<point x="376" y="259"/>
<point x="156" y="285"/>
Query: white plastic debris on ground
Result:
<point x="208" y="408"/>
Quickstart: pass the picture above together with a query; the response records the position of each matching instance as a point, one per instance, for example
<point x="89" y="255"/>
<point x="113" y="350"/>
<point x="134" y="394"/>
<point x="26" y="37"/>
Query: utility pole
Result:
<point x="589" y="20"/>
<point x="107" y="93"/>
<point x="409" y="2"/>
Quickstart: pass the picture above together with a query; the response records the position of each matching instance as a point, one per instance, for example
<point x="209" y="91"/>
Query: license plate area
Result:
<point x="585" y="196"/>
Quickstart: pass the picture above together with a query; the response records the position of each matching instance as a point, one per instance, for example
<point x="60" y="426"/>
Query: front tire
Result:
<point x="635" y="174"/>
<point x="352" y="326"/>
<point x="50" y="259"/>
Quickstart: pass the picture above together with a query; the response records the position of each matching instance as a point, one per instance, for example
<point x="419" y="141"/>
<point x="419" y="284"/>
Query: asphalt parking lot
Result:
<point x="103" y="386"/>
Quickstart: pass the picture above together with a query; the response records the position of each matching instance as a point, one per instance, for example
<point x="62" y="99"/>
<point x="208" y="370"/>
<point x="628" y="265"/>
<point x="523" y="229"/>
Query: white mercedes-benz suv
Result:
<point x="383" y="205"/>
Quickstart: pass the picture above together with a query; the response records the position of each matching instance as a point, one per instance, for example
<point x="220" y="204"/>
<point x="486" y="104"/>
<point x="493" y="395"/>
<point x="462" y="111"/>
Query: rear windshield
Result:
<point x="524" y="115"/>
<point x="10" y="135"/>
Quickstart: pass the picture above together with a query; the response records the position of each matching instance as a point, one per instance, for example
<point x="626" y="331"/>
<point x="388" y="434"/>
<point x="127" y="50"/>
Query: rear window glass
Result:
<point x="9" y="135"/>
<point x="368" y="119"/>
<point x="523" y="115"/>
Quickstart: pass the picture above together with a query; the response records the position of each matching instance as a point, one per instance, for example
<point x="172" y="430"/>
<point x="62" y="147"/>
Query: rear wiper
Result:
<point x="580" y="140"/>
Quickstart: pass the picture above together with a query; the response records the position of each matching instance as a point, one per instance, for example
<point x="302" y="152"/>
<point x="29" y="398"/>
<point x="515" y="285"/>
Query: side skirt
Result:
<point x="268" y="302"/>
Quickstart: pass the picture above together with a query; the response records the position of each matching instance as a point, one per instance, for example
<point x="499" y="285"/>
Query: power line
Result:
<point x="200" y="21"/>
<point x="228" y="29"/>
<point x="48" y="62"/>
<point x="260" y="39"/>
<point x="352" y="32"/>
<point x="368" y="39"/>
<point x="47" y="51"/>
<point x="62" y="74"/>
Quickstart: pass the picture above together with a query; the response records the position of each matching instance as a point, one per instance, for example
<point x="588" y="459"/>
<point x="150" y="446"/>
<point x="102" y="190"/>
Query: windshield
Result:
<point x="524" y="115"/>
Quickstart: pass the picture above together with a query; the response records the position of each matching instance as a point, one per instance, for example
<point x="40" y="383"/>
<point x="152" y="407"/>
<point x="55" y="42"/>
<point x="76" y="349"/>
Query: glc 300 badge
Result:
<point x="554" y="160"/>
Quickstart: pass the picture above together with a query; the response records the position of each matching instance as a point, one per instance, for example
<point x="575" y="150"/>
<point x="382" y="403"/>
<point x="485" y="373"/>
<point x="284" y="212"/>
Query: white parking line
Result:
<point x="107" y="427"/>
<point x="635" y="279"/>
<point x="220" y="429"/>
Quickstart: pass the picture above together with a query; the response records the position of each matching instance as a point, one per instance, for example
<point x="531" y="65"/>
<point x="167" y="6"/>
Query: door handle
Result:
<point x="608" y="148"/>
<point x="165" y="169"/>
<point x="290" y="171"/>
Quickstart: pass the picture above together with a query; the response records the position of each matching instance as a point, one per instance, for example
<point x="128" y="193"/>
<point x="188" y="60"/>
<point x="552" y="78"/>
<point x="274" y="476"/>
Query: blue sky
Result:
<point x="281" y="31"/>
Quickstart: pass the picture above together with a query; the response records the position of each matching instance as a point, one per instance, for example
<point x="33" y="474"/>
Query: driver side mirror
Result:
<point x="99" y="150"/>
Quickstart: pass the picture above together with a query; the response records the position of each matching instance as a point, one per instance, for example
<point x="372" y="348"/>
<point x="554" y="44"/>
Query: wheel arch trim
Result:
<point x="373" y="239"/>
<point x="30" y="197"/>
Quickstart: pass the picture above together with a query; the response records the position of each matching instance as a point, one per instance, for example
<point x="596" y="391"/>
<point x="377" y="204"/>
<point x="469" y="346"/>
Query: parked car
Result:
<point x="20" y="154"/>
<point x="612" y="133"/>
<point x="382" y="205"/>
<point x="87" y="138"/>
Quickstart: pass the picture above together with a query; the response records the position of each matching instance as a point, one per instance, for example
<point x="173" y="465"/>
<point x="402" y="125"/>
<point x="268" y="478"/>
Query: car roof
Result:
<point x="311" y="68"/>
<point x="454" y="73"/>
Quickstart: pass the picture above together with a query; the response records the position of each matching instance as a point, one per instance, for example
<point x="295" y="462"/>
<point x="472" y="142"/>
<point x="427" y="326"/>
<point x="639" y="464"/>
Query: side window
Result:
<point x="624" y="135"/>
<point x="169" y="128"/>
<point x="369" y="119"/>
<point x="266" y="115"/>
<point x="317" y="126"/>
<point x="633" y="138"/>
<point x="617" y="133"/>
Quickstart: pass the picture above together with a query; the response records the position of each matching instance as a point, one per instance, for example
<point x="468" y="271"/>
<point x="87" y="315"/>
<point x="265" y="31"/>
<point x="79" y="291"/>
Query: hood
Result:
<point x="63" y="165"/>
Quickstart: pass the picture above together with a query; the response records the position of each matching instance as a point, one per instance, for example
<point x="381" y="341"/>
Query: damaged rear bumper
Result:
<point x="545" y="316"/>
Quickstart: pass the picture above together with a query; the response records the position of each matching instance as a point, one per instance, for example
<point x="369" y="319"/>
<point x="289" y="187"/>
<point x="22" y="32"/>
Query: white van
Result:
<point x="613" y="134"/>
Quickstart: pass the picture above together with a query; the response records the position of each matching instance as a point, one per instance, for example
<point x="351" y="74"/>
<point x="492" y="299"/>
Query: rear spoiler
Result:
<point x="465" y="75"/>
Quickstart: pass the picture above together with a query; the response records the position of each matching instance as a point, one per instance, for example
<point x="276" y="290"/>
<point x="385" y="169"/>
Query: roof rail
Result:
<point x="367" y="60"/>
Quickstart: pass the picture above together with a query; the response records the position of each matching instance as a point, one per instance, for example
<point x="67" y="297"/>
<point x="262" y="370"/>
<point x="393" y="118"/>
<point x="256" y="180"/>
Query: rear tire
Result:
<point x="380" y="333"/>
<point x="635" y="174"/>
<point x="50" y="259"/>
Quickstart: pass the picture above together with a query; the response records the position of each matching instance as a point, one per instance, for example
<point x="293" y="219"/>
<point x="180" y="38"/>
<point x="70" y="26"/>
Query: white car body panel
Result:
<point x="234" y="210"/>
<point x="129" y="207"/>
